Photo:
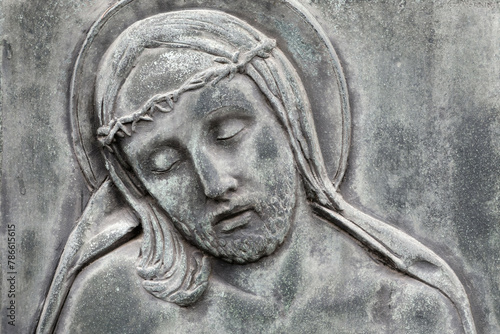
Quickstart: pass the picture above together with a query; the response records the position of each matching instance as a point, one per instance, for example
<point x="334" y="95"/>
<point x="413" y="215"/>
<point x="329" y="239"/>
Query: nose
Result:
<point x="214" y="174"/>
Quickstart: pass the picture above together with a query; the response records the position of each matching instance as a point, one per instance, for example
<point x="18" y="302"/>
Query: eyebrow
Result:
<point x="228" y="109"/>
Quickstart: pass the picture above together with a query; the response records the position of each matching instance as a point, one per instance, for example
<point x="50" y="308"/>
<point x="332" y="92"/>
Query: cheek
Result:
<point x="273" y="160"/>
<point x="267" y="148"/>
<point x="179" y="194"/>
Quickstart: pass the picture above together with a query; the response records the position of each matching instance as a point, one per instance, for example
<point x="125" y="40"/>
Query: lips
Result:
<point x="230" y="220"/>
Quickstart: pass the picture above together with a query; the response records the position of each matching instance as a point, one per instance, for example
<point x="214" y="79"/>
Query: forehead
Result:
<point x="156" y="71"/>
<point x="199" y="106"/>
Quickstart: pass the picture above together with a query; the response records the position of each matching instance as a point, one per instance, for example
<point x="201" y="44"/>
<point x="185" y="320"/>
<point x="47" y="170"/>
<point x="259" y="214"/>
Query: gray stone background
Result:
<point x="424" y="86"/>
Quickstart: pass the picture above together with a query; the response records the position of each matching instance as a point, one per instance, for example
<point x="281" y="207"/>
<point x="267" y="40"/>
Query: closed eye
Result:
<point x="165" y="160"/>
<point x="165" y="169"/>
<point x="229" y="128"/>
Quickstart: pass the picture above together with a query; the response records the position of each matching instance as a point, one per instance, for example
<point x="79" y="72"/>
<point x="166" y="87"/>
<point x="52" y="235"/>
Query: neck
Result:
<point x="271" y="276"/>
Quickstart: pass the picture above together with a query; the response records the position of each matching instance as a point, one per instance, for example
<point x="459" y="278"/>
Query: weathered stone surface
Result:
<point x="273" y="247"/>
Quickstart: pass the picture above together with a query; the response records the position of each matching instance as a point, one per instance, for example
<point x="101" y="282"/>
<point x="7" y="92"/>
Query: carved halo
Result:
<point x="298" y="35"/>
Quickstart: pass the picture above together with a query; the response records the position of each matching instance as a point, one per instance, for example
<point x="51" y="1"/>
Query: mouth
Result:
<point x="233" y="219"/>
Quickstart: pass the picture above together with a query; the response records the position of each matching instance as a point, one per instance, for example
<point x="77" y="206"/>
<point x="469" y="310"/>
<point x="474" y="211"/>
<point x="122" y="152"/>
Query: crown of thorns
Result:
<point x="226" y="67"/>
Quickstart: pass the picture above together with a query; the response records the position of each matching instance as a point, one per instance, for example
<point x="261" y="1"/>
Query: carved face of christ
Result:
<point x="219" y="164"/>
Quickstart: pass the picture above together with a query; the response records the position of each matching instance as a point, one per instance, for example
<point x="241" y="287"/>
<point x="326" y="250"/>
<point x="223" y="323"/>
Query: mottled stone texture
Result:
<point x="423" y="80"/>
<point x="425" y="153"/>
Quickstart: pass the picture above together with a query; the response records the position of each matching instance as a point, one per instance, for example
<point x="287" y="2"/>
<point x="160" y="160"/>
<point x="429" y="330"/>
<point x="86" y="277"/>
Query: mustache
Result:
<point x="228" y="209"/>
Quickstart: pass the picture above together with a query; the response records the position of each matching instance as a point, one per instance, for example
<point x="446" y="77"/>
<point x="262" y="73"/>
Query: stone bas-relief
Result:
<point x="218" y="213"/>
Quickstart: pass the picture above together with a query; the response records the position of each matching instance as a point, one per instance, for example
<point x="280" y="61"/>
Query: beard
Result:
<point x="276" y="213"/>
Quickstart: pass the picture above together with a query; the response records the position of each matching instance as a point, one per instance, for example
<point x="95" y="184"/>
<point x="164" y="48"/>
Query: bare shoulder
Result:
<point x="351" y="290"/>
<point x="108" y="294"/>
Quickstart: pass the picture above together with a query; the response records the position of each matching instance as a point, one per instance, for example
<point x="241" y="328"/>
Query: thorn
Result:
<point x="197" y="81"/>
<point x="161" y="109"/>
<point x="170" y="101"/>
<point x="236" y="56"/>
<point x="221" y="60"/>
<point x="124" y="129"/>
<point x="146" y="118"/>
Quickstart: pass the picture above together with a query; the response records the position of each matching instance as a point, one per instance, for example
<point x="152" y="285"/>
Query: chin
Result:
<point x="245" y="249"/>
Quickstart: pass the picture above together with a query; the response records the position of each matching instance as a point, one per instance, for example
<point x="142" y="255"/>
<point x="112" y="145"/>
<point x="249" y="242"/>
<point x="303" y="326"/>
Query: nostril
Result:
<point x="232" y="185"/>
<point x="221" y="189"/>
